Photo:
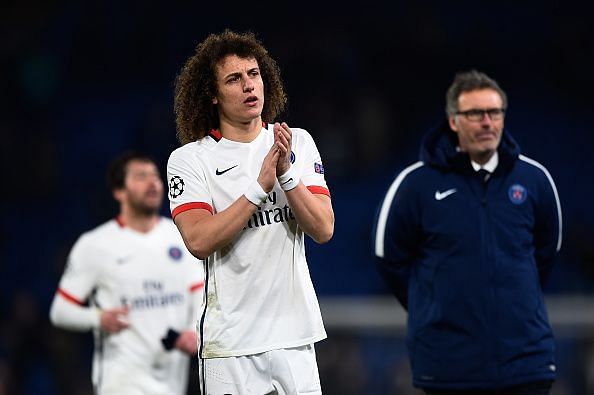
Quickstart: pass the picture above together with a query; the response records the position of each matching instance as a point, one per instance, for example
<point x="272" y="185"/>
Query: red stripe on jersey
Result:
<point x="215" y="134"/>
<point x="69" y="297"/>
<point x="120" y="221"/>
<point x="190" y="206"/>
<point x="196" y="287"/>
<point x="316" y="190"/>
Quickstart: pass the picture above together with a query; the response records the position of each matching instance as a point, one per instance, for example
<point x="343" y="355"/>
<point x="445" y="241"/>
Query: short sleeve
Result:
<point x="187" y="187"/>
<point x="82" y="271"/>
<point x="312" y="174"/>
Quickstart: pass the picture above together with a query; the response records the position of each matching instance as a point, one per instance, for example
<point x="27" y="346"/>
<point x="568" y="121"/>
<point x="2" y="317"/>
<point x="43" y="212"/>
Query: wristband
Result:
<point x="169" y="340"/>
<point x="255" y="193"/>
<point x="289" y="180"/>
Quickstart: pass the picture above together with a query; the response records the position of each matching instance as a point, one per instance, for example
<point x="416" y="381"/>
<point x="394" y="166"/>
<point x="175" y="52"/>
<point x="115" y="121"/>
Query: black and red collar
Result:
<point x="217" y="136"/>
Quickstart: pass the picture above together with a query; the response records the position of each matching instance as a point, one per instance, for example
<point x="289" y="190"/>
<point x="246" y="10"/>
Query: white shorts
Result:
<point x="289" y="371"/>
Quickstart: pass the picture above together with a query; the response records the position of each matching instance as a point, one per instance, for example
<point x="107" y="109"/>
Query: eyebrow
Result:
<point x="483" y="109"/>
<point x="235" y="73"/>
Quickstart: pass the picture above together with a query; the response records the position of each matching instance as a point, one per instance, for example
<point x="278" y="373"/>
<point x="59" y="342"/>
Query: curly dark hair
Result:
<point x="196" y="84"/>
<point x="469" y="81"/>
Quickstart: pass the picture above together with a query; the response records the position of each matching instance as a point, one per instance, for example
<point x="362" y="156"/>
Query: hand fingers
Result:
<point x="119" y="310"/>
<point x="277" y="133"/>
<point x="120" y="320"/>
<point x="286" y="129"/>
<point x="272" y="156"/>
<point x="190" y="336"/>
<point x="271" y="152"/>
<point x="275" y="156"/>
<point x="283" y="129"/>
<point x="283" y="138"/>
<point x="189" y="344"/>
<point x="283" y="147"/>
<point x="284" y="141"/>
<point x="115" y="327"/>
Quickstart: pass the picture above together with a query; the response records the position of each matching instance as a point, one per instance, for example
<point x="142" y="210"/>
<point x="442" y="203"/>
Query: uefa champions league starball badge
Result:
<point x="176" y="186"/>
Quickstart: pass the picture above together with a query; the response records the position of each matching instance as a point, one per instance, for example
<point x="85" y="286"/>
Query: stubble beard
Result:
<point x="142" y="209"/>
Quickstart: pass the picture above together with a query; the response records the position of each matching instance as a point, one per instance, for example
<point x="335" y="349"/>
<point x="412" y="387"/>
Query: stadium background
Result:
<point x="82" y="81"/>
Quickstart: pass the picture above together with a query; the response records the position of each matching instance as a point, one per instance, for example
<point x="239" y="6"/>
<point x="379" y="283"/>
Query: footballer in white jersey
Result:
<point x="150" y="278"/>
<point x="243" y="195"/>
<point x="259" y="293"/>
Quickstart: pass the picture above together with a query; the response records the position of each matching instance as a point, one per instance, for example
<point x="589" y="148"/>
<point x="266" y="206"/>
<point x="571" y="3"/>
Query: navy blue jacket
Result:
<point x="465" y="257"/>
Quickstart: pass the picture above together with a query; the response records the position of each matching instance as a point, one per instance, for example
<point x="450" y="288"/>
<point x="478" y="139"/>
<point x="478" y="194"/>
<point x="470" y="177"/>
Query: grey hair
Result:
<point x="470" y="81"/>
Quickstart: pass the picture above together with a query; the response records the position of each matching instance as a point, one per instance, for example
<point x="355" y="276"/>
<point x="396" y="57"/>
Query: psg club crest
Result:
<point x="176" y="186"/>
<point x="175" y="253"/>
<point x="517" y="194"/>
<point x="292" y="157"/>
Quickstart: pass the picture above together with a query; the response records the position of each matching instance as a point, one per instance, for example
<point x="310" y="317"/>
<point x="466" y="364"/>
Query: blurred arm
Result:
<point x="70" y="314"/>
<point x="547" y="229"/>
<point x="396" y="235"/>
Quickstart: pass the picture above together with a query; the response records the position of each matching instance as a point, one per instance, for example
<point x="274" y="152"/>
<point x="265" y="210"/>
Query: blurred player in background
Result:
<point x="243" y="194"/>
<point x="144" y="290"/>
<point x="463" y="238"/>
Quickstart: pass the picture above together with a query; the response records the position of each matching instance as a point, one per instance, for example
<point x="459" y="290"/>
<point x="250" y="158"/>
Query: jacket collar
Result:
<point x="439" y="149"/>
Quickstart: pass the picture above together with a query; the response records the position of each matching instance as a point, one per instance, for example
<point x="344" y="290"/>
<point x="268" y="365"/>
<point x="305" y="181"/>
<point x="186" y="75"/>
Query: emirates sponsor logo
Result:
<point x="270" y="215"/>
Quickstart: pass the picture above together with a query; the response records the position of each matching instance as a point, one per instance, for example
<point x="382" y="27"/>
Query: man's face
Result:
<point x="479" y="137"/>
<point x="240" y="97"/>
<point x="143" y="188"/>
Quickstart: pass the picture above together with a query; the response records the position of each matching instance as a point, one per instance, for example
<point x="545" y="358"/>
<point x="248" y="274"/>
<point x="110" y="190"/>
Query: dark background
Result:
<point x="80" y="82"/>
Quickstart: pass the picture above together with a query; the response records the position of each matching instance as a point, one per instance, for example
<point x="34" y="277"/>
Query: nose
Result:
<point x="155" y="180"/>
<point x="486" y="120"/>
<point x="248" y="85"/>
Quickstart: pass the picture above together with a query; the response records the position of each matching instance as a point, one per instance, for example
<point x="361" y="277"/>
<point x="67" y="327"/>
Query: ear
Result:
<point x="118" y="194"/>
<point x="452" y="120"/>
<point x="215" y="100"/>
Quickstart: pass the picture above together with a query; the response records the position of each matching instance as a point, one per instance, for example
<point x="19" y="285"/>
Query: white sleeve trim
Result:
<point x="558" y="203"/>
<point x="385" y="210"/>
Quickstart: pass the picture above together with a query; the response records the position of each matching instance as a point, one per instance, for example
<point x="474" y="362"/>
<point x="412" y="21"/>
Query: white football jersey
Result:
<point x="158" y="280"/>
<point x="259" y="294"/>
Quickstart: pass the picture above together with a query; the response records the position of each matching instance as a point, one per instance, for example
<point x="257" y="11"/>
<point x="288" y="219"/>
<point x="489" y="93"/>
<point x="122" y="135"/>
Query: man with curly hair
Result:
<point x="243" y="194"/>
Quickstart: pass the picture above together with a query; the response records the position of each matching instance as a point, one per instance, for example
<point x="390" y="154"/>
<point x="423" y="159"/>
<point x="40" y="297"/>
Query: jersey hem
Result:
<point x="258" y="350"/>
